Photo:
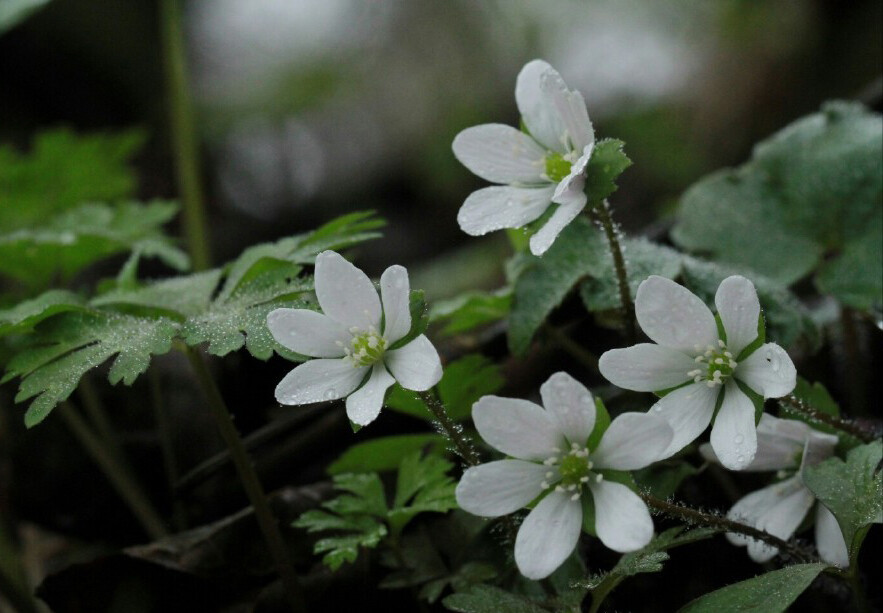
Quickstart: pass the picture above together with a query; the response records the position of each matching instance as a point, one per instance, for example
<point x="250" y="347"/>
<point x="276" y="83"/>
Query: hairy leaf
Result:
<point x="490" y="599"/>
<point x="384" y="453"/>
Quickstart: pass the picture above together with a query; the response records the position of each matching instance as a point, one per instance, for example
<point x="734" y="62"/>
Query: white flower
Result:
<point x="353" y="340"/>
<point x="786" y="445"/>
<point x="551" y="458"/>
<point x="689" y="350"/>
<point x="548" y="165"/>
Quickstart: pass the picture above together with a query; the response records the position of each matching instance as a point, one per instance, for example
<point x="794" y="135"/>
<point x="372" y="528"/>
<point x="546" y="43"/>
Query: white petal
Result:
<point x="500" y="154"/>
<point x="673" y="316"/>
<point x="571" y="186"/>
<point x="571" y="108"/>
<point x="363" y="406"/>
<point x="345" y="293"/>
<point x="819" y="447"/>
<point x="563" y="215"/>
<point x="494" y="208"/>
<point x="688" y="410"/>
<point x="622" y="520"/>
<point x="781" y="520"/>
<point x="829" y="538"/>
<point x="733" y="435"/>
<point x="749" y="509"/>
<point x="319" y="380"/>
<point x="308" y="332"/>
<point x="768" y="371"/>
<point x="501" y="487"/>
<point x="548" y="535"/>
<point x="395" y="291"/>
<point x="633" y="441"/>
<point x="516" y="427"/>
<point x="416" y="366"/>
<point x="739" y="310"/>
<point x="537" y="108"/>
<point x="646" y="367"/>
<point x="570" y="406"/>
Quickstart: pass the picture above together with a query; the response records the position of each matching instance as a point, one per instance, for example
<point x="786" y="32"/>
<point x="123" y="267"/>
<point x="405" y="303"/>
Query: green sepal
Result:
<point x="755" y="398"/>
<point x="419" y="319"/>
<point x="756" y="343"/>
<point x="602" y="422"/>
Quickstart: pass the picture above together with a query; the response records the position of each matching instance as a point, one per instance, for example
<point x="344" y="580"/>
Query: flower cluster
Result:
<point x="563" y="464"/>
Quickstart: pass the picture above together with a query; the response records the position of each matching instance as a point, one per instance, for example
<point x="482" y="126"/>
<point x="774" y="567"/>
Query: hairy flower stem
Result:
<point x="694" y="516"/>
<point x="250" y="481"/>
<point x="122" y="480"/>
<point x="183" y="134"/>
<point x="454" y="432"/>
<point x="601" y="213"/>
<point x="793" y="404"/>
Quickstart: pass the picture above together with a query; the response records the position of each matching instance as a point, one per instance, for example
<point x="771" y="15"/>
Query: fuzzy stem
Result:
<point x="601" y="212"/>
<point x="455" y="433"/>
<point x="183" y="134"/>
<point x="250" y="481"/>
<point x="794" y="404"/>
<point x="694" y="516"/>
<point x="119" y="476"/>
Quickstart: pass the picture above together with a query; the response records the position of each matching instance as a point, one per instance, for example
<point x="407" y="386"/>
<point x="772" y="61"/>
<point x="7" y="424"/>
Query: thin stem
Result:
<point x="576" y="351"/>
<point x="119" y="476"/>
<point x="605" y="219"/>
<point x="454" y="431"/>
<point x="795" y="405"/>
<point x="94" y="409"/>
<point x="694" y="516"/>
<point x="164" y="433"/>
<point x="183" y="134"/>
<point x="250" y="481"/>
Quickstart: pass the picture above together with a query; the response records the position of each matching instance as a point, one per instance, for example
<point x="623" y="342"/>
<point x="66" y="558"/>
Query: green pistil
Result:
<point x="366" y="347"/>
<point x="557" y="167"/>
<point x="574" y="471"/>
<point x="713" y="366"/>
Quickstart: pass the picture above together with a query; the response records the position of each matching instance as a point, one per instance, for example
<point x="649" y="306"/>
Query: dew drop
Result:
<point x="739" y="439"/>
<point x="330" y="393"/>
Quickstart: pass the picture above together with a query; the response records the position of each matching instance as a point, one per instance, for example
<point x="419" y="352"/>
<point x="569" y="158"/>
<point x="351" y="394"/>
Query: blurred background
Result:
<point x="310" y="108"/>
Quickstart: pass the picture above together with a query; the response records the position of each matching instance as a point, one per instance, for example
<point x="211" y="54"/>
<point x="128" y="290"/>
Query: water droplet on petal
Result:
<point x="330" y="393"/>
<point x="739" y="439"/>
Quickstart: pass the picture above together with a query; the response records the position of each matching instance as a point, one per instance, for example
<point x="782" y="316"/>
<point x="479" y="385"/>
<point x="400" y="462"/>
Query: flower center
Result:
<point x="557" y="166"/>
<point x="714" y="366"/>
<point x="366" y="348"/>
<point x="574" y="470"/>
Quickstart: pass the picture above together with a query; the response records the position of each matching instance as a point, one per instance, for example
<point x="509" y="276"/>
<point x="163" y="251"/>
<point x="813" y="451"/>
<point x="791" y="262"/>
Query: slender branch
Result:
<point x="602" y="214"/>
<point x="795" y="405"/>
<point x="250" y="481"/>
<point x="94" y="408"/>
<point x="119" y="476"/>
<point x="183" y="134"/>
<point x="694" y="516"/>
<point x="453" y="430"/>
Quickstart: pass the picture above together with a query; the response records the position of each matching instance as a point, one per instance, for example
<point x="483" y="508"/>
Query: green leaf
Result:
<point x="600" y="292"/>
<point x="852" y="490"/>
<point x="178" y="298"/>
<point x="608" y="161"/>
<point x="809" y="201"/>
<point x="385" y="453"/>
<point x="357" y="515"/>
<point x="664" y="478"/>
<point x="770" y="593"/>
<point x="602" y="422"/>
<point x="471" y="310"/>
<point x="63" y="170"/>
<point x="239" y="318"/>
<point x="646" y="560"/>
<point x="75" y="239"/>
<point x="423" y="485"/>
<point x="817" y="397"/>
<point x="71" y="343"/>
<point x="546" y="281"/>
<point x="29" y="313"/>
<point x="463" y="382"/>
<point x="489" y="599"/>
<point x="13" y="12"/>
